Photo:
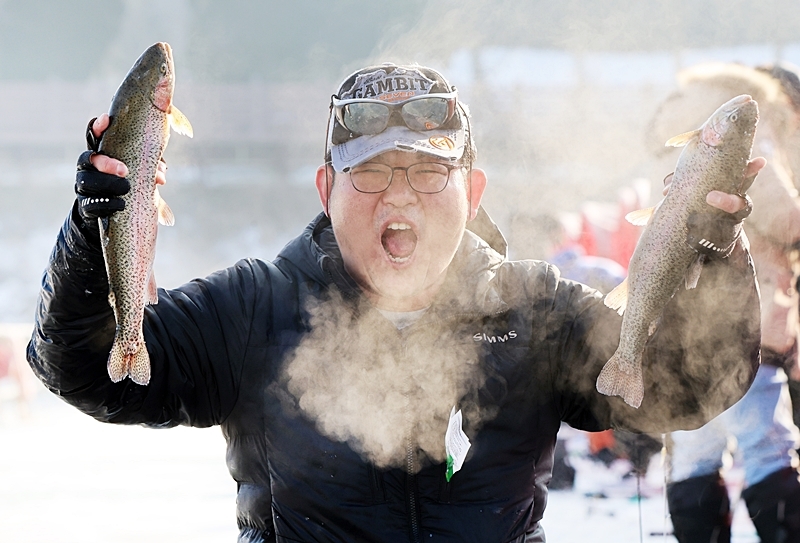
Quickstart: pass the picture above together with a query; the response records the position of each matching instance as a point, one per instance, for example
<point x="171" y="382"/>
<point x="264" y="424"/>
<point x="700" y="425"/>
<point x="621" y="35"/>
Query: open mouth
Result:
<point x="399" y="242"/>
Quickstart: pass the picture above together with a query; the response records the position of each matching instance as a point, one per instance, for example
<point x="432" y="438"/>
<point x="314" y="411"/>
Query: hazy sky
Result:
<point x="320" y="39"/>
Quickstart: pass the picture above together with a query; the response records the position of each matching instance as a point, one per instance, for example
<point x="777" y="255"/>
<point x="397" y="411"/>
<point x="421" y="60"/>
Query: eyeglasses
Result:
<point x="366" y="117"/>
<point x="424" y="177"/>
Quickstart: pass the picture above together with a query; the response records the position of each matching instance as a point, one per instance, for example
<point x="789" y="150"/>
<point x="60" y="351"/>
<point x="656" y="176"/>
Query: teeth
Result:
<point x="396" y="259"/>
<point x="398" y="226"/>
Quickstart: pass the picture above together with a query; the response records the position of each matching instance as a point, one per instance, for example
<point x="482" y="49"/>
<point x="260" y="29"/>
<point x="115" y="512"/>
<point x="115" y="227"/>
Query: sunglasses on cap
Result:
<point x="367" y="117"/>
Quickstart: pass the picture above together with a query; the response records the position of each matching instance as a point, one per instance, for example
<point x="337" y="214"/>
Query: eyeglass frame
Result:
<point x="449" y="167"/>
<point x="328" y="163"/>
<point x="337" y="107"/>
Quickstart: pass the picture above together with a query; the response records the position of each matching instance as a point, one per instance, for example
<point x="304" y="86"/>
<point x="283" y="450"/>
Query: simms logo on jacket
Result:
<point x="511" y="334"/>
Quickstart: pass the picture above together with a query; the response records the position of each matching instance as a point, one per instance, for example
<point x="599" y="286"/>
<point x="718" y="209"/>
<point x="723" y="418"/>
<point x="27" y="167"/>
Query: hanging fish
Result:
<point x="141" y="115"/>
<point x="714" y="157"/>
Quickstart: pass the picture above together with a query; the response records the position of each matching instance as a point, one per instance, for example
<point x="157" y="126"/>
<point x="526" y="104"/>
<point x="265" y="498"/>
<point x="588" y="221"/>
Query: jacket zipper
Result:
<point x="411" y="478"/>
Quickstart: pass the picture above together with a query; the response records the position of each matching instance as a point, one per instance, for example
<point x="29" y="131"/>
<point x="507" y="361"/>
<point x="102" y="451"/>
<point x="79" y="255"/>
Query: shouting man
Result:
<point x="391" y="375"/>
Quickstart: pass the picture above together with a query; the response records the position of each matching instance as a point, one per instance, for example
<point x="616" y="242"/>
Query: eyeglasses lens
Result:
<point x="366" y="118"/>
<point x="428" y="177"/>
<point x="426" y="114"/>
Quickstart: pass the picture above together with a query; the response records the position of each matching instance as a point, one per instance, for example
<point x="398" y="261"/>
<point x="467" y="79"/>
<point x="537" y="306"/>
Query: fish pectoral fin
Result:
<point x="682" y="139"/>
<point x="179" y="123"/>
<point x="694" y="271"/>
<point x="617" y="299"/>
<point x="640" y="217"/>
<point x="165" y="215"/>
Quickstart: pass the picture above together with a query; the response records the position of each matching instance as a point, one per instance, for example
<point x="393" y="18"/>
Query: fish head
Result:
<point x="152" y="75"/>
<point x="733" y="122"/>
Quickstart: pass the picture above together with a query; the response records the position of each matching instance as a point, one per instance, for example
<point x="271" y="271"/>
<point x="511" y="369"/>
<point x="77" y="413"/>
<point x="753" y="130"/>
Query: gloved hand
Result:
<point x="98" y="193"/>
<point x="714" y="233"/>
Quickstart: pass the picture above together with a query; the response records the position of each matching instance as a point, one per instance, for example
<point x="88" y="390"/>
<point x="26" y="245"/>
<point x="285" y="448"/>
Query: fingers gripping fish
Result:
<point x="141" y="115"/>
<point x="714" y="158"/>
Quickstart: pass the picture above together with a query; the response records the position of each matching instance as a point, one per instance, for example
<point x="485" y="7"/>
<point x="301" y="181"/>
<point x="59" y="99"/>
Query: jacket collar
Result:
<point x="469" y="288"/>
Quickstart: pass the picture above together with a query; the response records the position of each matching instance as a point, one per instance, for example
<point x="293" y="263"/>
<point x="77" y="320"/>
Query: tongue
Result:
<point x="399" y="243"/>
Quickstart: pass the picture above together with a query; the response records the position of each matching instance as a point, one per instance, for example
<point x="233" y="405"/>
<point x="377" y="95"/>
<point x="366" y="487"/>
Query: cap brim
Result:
<point x="446" y="144"/>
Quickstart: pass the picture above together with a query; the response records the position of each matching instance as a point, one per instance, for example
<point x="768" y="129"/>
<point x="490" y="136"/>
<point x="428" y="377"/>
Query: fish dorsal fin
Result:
<point x="617" y="299"/>
<point x="165" y="215"/>
<point x="179" y="122"/>
<point x="682" y="139"/>
<point x="694" y="271"/>
<point x="640" y="217"/>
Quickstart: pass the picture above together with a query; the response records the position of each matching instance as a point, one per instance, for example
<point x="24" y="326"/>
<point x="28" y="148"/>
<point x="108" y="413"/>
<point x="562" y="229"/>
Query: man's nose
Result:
<point x="400" y="192"/>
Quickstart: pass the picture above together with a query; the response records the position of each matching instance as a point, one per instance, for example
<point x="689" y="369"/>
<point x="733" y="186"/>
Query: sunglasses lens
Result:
<point x="426" y="114"/>
<point x="365" y="118"/>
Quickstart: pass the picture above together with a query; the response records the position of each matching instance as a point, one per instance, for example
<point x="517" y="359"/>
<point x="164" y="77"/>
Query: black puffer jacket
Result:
<point x="219" y="347"/>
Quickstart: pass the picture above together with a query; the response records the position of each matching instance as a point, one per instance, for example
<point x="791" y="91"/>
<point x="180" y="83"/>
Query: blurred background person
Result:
<point x="761" y="423"/>
<point x="545" y="236"/>
<point x="787" y="74"/>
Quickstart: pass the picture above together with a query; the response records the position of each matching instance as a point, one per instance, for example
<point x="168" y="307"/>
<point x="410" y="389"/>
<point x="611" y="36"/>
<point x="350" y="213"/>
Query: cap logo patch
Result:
<point x="399" y="85"/>
<point x="442" y="142"/>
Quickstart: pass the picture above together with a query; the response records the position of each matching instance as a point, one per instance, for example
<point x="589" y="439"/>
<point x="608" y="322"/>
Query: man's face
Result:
<point x="397" y="244"/>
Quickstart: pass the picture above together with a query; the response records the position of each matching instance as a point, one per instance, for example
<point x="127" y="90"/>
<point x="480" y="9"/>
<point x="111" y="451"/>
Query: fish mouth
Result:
<point x="714" y="132"/>
<point x="399" y="240"/>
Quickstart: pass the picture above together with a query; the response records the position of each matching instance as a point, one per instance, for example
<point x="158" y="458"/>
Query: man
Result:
<point x="761" y="423"/>
<point x="390" y="376"/>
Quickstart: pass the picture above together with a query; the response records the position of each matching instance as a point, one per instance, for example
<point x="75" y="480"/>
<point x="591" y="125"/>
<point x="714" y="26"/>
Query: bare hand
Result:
<point x="730" y="203"/>
<point x="106" y="164"/>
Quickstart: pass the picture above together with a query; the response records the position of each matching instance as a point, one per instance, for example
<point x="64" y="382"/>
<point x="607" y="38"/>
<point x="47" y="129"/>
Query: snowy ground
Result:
<point x="68" y="479"/>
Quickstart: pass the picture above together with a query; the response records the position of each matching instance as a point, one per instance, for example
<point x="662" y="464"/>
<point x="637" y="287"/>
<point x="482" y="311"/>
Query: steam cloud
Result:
<point x="367" y="384"/>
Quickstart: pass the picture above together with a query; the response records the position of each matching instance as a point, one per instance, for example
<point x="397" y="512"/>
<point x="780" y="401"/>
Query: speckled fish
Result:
<point x="714" y="158"/>
<point x="141" y="115"/>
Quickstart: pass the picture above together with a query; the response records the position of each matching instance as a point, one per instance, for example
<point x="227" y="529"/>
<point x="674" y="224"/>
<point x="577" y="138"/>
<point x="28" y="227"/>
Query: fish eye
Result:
<point x="164" y="68"/>
<point x="734" y="117"/>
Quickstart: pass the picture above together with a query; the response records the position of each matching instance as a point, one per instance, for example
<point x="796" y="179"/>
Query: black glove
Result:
<point x="98" y="193"/>
<point x="714" y="233"/>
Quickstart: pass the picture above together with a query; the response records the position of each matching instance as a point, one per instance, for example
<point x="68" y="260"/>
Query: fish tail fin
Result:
<point x="117" y="363"/>
<point x="122" y="364"/>
<point x="139" y="365"/>
<point x="621" y="378"/>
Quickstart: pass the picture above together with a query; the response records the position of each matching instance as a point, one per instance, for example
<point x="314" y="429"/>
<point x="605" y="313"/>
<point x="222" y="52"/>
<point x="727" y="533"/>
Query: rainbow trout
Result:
<point x="141" y="115"/>
<point x="714" y="158"/>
